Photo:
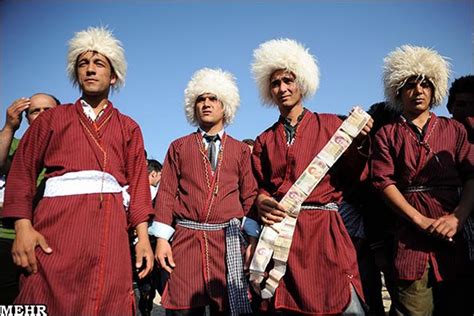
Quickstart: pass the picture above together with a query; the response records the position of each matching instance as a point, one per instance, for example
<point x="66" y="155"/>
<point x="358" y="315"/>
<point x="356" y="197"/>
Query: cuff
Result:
<point x="251" y="227"/>
<point x="161" y="230"/>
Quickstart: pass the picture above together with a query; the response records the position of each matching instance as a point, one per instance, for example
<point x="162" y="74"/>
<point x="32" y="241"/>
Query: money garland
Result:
<point x="275" y="240"/>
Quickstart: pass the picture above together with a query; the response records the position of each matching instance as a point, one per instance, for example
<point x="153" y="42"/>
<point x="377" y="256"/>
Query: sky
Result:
<point x="167" y="41"/>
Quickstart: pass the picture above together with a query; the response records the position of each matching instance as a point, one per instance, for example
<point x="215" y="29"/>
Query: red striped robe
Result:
<point x="89" y="271"/>
<point x="200" y="275"/>
<point x="398" y="159"/>
<point x="322" y="262"/>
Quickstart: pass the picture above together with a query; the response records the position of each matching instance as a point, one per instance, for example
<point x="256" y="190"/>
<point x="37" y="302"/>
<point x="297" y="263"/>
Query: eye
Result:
<point x="275" y="83"/>
<point x="213" y="98"/>
<point x="288" y="80"/>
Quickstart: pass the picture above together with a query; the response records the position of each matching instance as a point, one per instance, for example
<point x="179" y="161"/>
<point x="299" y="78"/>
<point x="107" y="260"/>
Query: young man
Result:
<point x="207" y="186"/>
<point x="420" y="164"/>
<point x="322" y="252"/>
<point x="461" y="103"/>
<point x="32" y="107"/>
<point x="90" y="152"/>
<point x="145" y="288"/>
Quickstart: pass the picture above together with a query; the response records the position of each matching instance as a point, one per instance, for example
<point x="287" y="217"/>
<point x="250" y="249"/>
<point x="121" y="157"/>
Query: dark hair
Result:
<point x="154" y="165"/>
<point x="382" y="115"/>
<point x="249" y="141"/>
<point x="463" y="84"/>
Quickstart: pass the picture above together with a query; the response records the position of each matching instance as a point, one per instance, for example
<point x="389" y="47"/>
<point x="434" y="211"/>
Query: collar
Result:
<point x="287" y="121"/>
<point x="220" y="133"/>
<point x="89" y="110"/>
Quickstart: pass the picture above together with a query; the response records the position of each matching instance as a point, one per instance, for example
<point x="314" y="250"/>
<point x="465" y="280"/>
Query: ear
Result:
<point x="113" y="78"/>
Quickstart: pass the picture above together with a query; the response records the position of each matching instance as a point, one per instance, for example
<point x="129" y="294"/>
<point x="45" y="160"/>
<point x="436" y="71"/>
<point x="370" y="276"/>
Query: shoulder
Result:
<point x="127" y="120"/>
<point x="184" y="140"/>
<point x="237" y="145"/>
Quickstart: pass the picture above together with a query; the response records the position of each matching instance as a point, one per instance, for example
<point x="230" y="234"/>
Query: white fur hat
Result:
<point x="408" y="61"/>
<point x="101" y="40"/>
<point x="215" y="81"/>
<point x="289" y="55"/>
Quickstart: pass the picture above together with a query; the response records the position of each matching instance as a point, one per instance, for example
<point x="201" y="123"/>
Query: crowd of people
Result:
<point x="90" y="226"/>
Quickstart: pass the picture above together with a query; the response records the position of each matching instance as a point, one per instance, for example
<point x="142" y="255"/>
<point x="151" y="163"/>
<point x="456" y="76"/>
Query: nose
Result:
<point x="90" y="68"/>
<point x="283" y="86"/>
<point x="418" y="87"/>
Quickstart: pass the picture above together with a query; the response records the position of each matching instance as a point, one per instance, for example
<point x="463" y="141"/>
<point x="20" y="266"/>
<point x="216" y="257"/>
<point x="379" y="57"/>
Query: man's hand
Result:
<point x="367" y="128"/>
<point x="423" y="223"/>
<point x="26" y="240"/>
<point x="445" y="227"/>
<point x="13" y="119"/>
<point x="269" y="210"/>
<point x="250" y="251"/>
<point x="143" y="250"/>
<point x="164" y="255"/>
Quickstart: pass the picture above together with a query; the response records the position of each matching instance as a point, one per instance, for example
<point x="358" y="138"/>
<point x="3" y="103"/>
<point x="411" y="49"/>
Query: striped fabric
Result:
<point x="89" y="271"/>
<point x="322" y="252"/>
<point x="441" y="162"/>
<point x="200" y="273"/>
<point x="237" y="284"/>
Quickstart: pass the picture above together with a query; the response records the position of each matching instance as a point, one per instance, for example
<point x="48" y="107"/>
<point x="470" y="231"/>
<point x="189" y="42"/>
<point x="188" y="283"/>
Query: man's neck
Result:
<point x="213" y="129"/>
<point x="97" y="103"/>
<point x="292" y="113"/>
<point x="419" y="120"/>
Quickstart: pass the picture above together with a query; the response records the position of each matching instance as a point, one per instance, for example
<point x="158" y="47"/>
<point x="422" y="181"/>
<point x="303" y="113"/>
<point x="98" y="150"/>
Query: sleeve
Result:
<point x="382" y="164"/>
<point x="248" y="193"/>
<point x="258" y="164"/>
<point x="464" y="154"/>
<point x="137" y="176"/>
<point x="26" y="166"/>
<point x="167" y="192"/>
<point x="140" y="199"/>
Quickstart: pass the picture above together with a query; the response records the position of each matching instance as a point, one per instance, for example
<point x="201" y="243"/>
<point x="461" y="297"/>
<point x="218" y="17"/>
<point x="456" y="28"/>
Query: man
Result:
<point x="90" y="152"/>
<point x="461" y="103"/>
<point x="420" y="164"/>
<point x="32" y="107"/>
<point x="321" y="251"/>
<point x="154" y="177"/>
<point x="145" y="288"/>
<point x="207" y="186"/>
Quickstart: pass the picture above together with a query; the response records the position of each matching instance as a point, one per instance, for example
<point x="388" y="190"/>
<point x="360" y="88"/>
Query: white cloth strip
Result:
<point x="85" y="182"/>
<point x="161" y="230"/>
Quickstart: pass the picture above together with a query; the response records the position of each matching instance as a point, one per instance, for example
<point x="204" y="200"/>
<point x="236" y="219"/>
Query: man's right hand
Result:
<point x="164" y="255"/>
<point x="269" y="210"/>
<point x="13" y="119"/>
<point x="26" y="241"/>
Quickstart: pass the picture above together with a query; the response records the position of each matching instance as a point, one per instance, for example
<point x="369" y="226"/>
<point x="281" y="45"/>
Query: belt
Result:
<point x="319" y="207"/>
<point x="237" y="284"/>
<point x="85" y="182"/>
<point x="425" y="188"/>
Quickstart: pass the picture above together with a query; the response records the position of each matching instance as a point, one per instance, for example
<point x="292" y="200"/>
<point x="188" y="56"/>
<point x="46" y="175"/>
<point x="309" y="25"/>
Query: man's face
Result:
<point x="38" y="104"/>
<point x="154" y="178"/>
<point x="209" y="110"/>
<point x="463" y="106"/>
<point x="284" y="90"/>
<point x="416" y="96"/>
<point x="94" y="74"/>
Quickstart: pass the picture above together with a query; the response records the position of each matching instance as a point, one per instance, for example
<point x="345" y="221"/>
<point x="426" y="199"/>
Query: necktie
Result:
<point x="211" y="149"/>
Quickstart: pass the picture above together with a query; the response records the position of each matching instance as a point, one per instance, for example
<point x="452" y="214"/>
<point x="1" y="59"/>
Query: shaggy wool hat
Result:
<point x="288" y="55"/>
<point x="215" y="81"/>
<point x="101" y="40"/>
<point x="408" y="61"/>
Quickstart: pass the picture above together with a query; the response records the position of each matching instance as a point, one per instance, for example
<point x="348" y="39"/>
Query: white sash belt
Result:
<point x="85" y="182"/>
